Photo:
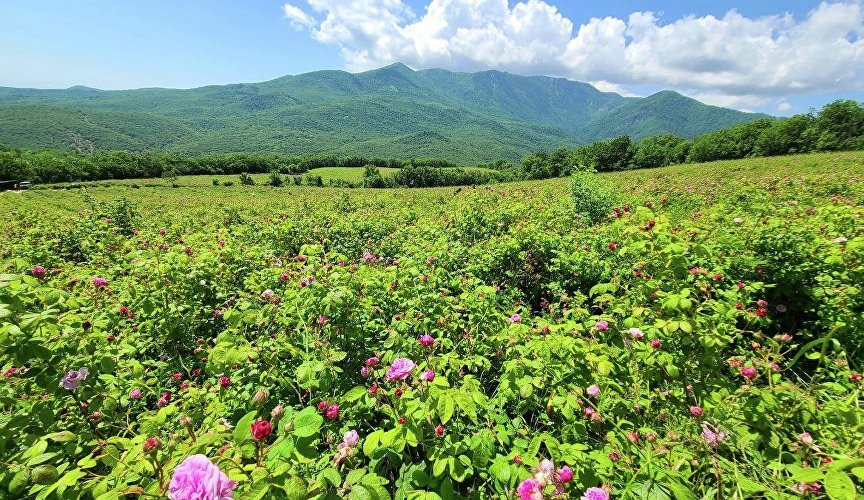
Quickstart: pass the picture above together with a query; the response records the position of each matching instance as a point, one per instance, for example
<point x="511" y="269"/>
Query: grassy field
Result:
<point x="702" y="338"/>
<point x="346" y="174"/>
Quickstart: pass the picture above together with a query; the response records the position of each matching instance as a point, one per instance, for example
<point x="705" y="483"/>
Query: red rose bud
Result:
<point x="261" y="429"/>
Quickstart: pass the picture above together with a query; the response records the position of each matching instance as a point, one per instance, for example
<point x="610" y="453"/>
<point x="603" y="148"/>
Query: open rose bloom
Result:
<point x="200" y="479"/>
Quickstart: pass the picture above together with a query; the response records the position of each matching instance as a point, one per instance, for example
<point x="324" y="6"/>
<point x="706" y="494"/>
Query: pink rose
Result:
<point x="400" y="369"/>
<point x="198" y="477"/>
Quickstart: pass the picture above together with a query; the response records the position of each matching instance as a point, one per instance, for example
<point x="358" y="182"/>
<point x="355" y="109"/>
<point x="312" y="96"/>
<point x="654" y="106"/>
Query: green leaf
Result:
<point x="371" y="443"/>
<point x="243" y="429"/>
<point x="61" y="437"/>
<point x="839" y="486"/>
<point x="307" y="423"/>
<point x="446" y="407"/>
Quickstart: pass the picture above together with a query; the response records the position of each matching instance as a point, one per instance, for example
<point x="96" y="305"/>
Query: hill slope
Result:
<point x="391" y="111"/>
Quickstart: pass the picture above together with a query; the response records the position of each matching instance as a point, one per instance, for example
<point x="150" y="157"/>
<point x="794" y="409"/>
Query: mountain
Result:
<point x="393" y="111"/>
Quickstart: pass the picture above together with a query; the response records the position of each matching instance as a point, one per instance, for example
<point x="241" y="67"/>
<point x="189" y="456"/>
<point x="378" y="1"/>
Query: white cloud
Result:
<point x="784" y="106"/>
<point x="297" y="17"/>
<point x="731" y="60"/>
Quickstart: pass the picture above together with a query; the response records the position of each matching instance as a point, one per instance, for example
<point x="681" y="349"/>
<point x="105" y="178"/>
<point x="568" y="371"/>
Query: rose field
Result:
<point x="687" y="332"/>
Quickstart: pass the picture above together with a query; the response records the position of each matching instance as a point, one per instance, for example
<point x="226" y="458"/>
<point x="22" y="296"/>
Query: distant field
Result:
<point x="346" y="174"/>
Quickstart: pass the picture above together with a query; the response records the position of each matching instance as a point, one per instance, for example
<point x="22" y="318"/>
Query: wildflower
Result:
<point x="740" y="284"/>
<point x="99" y="282"/>
<point x="96" y="415"/>
<point x="840" y="240"/>
<point x="633" y="436"/>
<point x="176" y="376"/>
<point x="73" y="378"/>
<point x="718" y="277"/>
<point x="38" y="271"/>
<point x="636" y="333"/>
<point x="595" y="494"/>
<point x="593" y="391"/>
<point x="855" y="377"/>
<point x="601" y="326"/>
<point x="135" y="394"/>
<point x="283" y="277"/>
<point x="11" y="371"/>
<point x="761" y="312"/>
<point x="712" y="436"/>
<point x="748" y="372"/>
<point x="439" y="430"/>
<point x="529" y="490"/>
<point x="365" y="371"/>
<point x="614" y="456"/>
<point x="400" y="369"/>
<point x="515" y="318"/>
<point x="655" y="343"/>
<point x="224" y="381"/>
<point x="612" y="246"/>
<point x="261" y="430"/>
<point x="322" y="405"/>
<point x="369" y="257"/>
<point x="401" y="420"/>
<point x="373" y="389"/>
<point x="267" y="294"/>
<point x="565" y="475"/>
<point x="221" y="243"/>
<point x="322" y="320"/>
<point x="198" y="477"/>
<point x="371" y="361"/>
<point x="163" y="399"/>
<point x="351" y="438"/>
<point x="737" y="220"/>
<point x="332" y="412"/>
<point x="150" y="444"/>
<point x="806" y="438"/>
<point x="426" y="340"/>
<point x="428" y="375"/>
<point x="696" y="411"/>
<point x="217" y="313"/>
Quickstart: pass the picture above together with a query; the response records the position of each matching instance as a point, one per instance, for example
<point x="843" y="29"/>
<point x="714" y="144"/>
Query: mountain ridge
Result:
<point x="466" y="117"/>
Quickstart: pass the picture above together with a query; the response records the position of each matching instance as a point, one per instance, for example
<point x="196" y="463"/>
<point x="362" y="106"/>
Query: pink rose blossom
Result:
<point x="595" y="494"/>
<point x="593" y="391"/>
<point x="400" y="369"/>
<point x="351" y="438"/>
<point x="601" y="326"/>
<point x="38" y="271"/>
<point x="636" y="333"/>
<point x="529" y="490"/>
<point x="427" y="376"/>
<point x="100" y="282"/>
<point x="426" y="340"/>
<point x="515" y="318"/>
<point x="199" y="478"/>
<point x="135" y="394"/>
<point x="73" y="378"/>
<point x="332" y="412"/>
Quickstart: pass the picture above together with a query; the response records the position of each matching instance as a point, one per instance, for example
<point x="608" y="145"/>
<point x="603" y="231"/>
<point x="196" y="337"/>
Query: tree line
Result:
<point x="839" y="126"/>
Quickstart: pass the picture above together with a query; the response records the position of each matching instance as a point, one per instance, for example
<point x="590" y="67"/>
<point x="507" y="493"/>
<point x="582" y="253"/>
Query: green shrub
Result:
<point x="246" y="179"/>
<point x="593" y="198"/>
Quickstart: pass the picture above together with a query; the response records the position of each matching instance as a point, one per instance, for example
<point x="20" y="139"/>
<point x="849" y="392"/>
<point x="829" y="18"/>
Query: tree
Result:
<point x="840" y="126"/>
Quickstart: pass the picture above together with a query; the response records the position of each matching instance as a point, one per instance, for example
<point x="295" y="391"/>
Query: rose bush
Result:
<point x="424" y="345"/>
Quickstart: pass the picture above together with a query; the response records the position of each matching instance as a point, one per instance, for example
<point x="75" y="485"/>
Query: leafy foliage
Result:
<point x="703" y="340"/>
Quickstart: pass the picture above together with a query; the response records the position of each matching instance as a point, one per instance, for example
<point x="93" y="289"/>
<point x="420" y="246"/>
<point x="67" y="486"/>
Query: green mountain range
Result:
<point x="388" y="112"/>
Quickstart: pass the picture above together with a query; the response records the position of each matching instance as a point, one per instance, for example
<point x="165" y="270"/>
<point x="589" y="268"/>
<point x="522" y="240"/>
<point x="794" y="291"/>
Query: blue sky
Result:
<point x="772" y="56"/>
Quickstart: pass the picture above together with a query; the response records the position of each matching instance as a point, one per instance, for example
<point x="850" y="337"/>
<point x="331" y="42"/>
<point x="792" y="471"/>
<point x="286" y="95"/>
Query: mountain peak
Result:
<point x="392" y="111"/>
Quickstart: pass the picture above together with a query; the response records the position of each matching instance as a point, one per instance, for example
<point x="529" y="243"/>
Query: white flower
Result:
<point x="840" y="240"/>
<point x="737" y="220"/>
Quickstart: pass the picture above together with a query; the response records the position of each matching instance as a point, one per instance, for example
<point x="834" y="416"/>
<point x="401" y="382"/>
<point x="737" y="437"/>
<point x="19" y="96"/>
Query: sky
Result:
<point x="777" y="57"/>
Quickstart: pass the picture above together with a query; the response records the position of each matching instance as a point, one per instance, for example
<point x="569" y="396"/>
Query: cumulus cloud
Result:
<point x="297" y="17"/>
<point x="731" y="60"/>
